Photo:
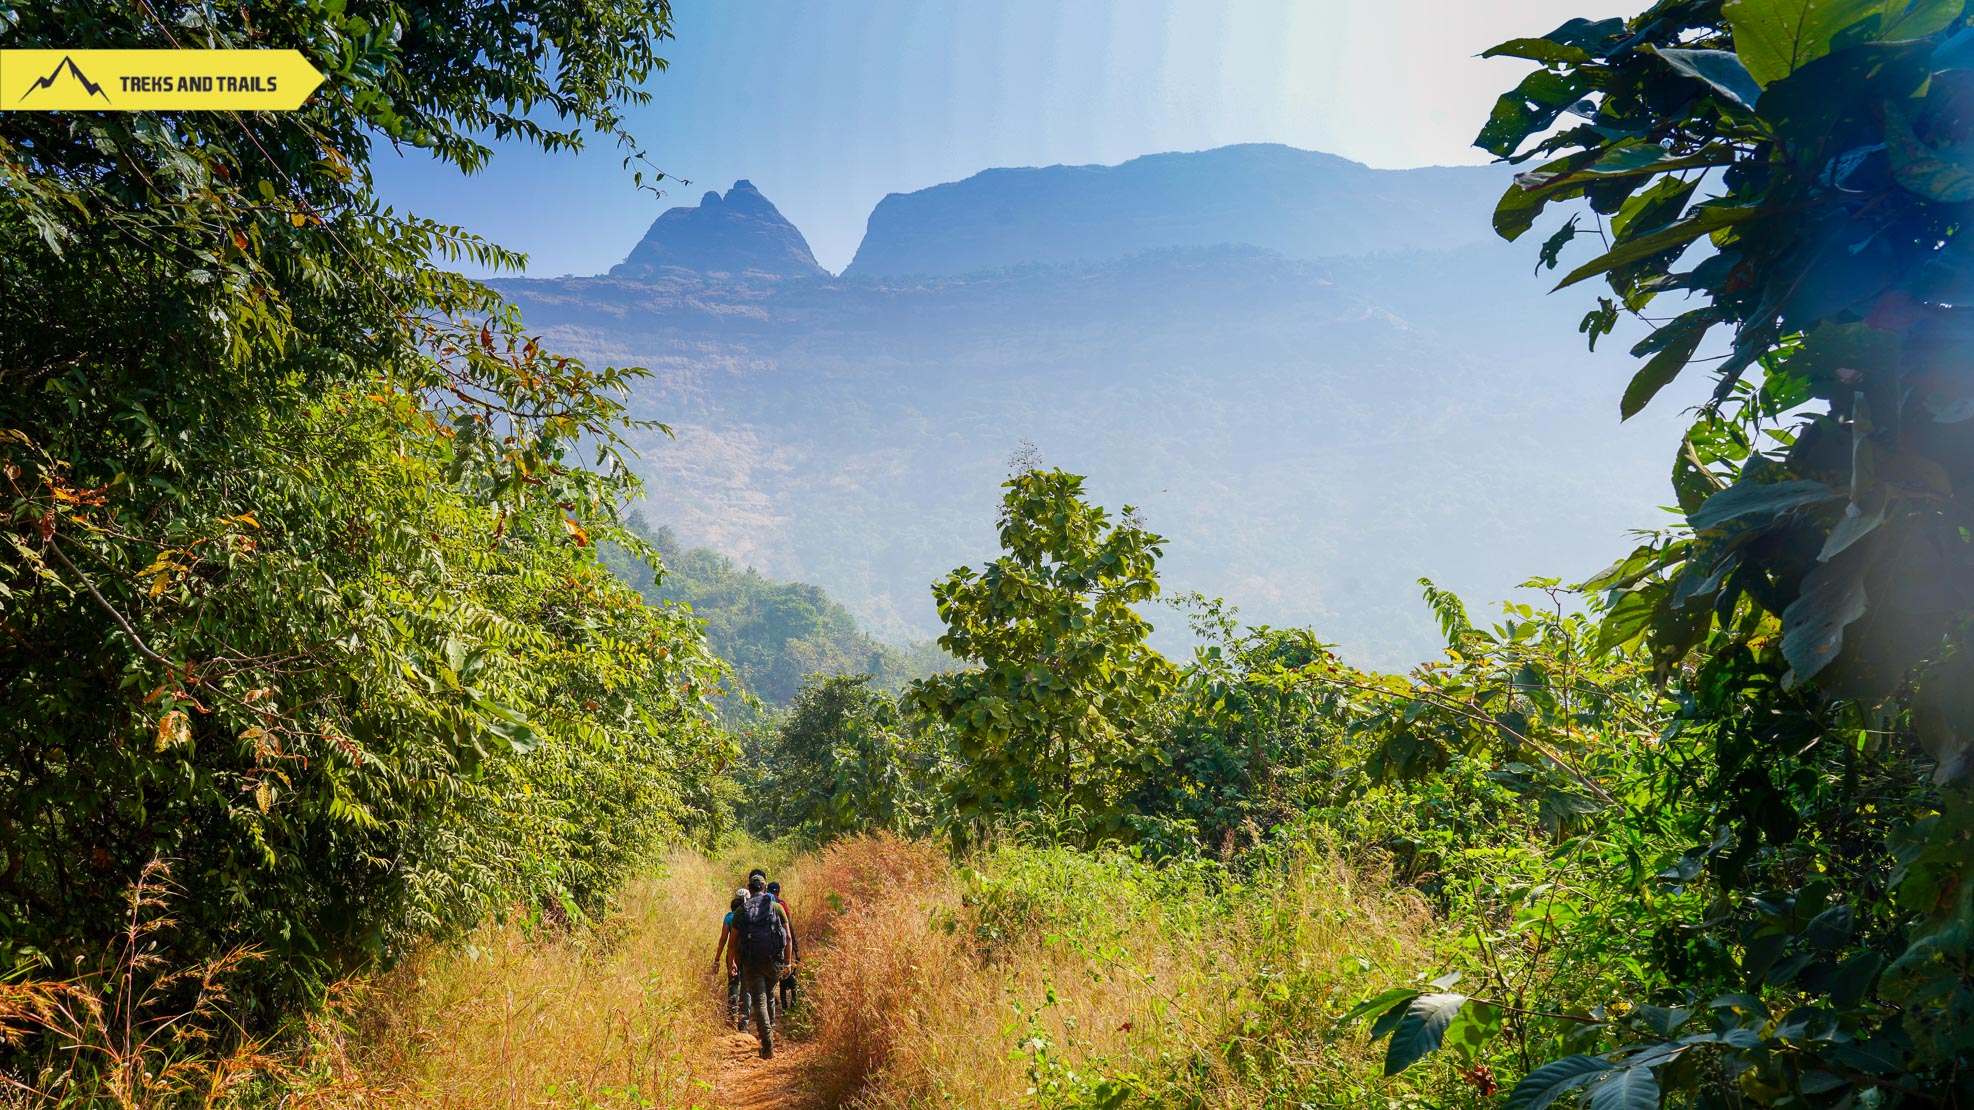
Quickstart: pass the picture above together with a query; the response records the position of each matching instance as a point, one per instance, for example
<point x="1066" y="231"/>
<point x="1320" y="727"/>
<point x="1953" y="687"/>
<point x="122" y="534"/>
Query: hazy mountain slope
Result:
<point x="1302" y="203"/>
<point x="1310" y="436"/>
<point x="773" y="633"/>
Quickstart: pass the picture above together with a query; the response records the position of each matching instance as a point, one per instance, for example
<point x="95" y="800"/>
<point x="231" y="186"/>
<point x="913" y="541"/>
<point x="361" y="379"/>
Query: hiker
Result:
<point x="764" y="946"/>
<point x="794" y="947"/>
<point x="728" y="953"/>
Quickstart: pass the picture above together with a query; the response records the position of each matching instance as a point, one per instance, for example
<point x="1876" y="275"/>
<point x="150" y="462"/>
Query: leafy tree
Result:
<point x="1245" y="748"/>
<point x="298" y="583"/>
<point x="843" y="760"/>
<point x="1813" y="615"/>
<point x="1058" y="711"/>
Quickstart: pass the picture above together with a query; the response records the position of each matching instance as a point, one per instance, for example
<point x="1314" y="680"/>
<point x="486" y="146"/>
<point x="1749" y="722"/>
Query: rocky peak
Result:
<point x="741" y="232"/>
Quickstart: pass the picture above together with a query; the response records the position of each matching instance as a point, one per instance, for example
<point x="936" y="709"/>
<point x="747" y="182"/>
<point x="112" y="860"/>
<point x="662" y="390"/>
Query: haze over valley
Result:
<point x="1317" y="380"/>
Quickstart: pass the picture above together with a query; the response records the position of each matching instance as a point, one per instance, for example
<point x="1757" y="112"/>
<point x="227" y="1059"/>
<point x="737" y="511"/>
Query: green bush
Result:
<point x="298" y="580"/>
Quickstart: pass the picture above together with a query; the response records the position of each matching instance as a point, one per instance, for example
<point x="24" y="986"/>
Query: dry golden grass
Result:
<point x="1198" y="1005"/>
<point x="871" y="895"/>
<point x="1025" y="976"/>
<point x="622" y="1017"/>
<point x="139" y="1030"/>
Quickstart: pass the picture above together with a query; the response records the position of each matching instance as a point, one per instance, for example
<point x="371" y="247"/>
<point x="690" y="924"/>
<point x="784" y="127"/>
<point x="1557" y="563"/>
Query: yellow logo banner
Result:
<point x="154" y="80"/>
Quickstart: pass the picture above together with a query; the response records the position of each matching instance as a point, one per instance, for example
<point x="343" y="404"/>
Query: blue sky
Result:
<point x="827" y="105"/>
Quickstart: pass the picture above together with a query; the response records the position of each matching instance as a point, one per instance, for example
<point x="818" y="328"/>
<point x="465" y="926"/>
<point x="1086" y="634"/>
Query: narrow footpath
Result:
<point x="748" y="1082"/>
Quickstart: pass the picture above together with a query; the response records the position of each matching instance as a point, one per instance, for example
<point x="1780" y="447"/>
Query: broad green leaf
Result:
<point x="1745" y="499"/>
<point x="1955" y="53"/>
<point x="1422" y="1029"/>
<point x="1555" y="1079"/>
<point x="1662" y="1020"/>
<point x="1656" y="374"/>
<point x="1774" y="38"/>
<point x="1813" y="625"/>
<point x="1477" y="1024"/>
<point x="1630" y="1089"/>
<point x="1539" y="50"/>
<point x="1380" y="1002"/>
<point x="1944" y="714"/>
<point x="1852" y="980"/>
<point x="1743" y="1003"/>
<point x="1702" y="221"/>
<point x="1854" y="525"/>
<point x="1642" y="561"/>
<point x="1553" y="246"/>
<point x="1833" y="358"/>
<point x="1629" y="617"/>
<point x="1719" y="68"/>
<point x="1946" y="176"/>
<point x="1529" y="107"/>
<point x="1523" y="201"/>
<point x="1588" y="34"/>
<point x="1393" y="1014"/>
<point x="1653" y="208"/>
<point x="1830" y="928"/>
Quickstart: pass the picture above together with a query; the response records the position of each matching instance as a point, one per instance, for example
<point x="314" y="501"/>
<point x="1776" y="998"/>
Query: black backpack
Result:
<point x="761" y="937"/>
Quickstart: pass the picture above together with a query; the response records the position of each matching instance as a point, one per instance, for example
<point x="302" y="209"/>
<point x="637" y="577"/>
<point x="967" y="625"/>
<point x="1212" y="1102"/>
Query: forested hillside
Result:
<point x="773" y="634"/>
<point x="364" y="747"/>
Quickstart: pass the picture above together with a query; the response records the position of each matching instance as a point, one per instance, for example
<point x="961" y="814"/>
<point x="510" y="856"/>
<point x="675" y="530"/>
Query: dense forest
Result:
<point x="362" y="748"/>
<point x="773" y="634"/>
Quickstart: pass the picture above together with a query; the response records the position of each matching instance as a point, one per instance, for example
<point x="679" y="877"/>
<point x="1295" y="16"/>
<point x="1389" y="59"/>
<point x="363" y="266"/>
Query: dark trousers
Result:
<point x="758" y="982"/>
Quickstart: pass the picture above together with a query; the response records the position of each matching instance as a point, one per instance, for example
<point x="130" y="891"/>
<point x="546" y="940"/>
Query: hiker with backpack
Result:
<point x="794" y="946"/>
<point x="764" y="946"/>
<point x="728" y="954"/>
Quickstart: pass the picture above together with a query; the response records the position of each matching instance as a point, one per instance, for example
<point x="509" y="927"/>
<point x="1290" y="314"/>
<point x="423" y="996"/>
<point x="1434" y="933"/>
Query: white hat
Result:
<point x="741" y="893"/>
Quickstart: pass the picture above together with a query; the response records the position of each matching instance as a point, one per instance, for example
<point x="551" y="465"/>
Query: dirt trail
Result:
<point x="748" y="1082"/>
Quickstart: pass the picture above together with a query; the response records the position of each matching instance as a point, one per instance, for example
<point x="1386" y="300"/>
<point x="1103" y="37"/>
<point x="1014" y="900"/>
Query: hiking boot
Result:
<point x="767" y="1052"/>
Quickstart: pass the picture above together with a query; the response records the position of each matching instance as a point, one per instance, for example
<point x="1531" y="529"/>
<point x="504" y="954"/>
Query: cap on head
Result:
<point x="741" y="894"/>
<point x="757" y="873"/>
<point x="774" y="888"/>
<point x="755" y="885"/>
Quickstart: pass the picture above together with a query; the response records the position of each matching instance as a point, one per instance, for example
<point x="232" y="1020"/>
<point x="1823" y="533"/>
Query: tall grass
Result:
<point x="1052" y="976"/>
<point x="620" y="1016"/>
<point x="1023" y="975"/>
<point x="138" y="1030"/>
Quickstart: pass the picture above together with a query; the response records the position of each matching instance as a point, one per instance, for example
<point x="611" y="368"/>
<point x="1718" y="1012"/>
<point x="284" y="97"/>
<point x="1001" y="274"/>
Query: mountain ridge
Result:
<point x="1310" y="434"/>
<point x="1262" y="194"/>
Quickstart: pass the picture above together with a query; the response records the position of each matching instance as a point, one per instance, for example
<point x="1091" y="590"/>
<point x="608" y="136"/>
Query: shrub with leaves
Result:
<point x="842" y="760"/>
<point x="298" y="585"/>
<point x="1794" y="174"/>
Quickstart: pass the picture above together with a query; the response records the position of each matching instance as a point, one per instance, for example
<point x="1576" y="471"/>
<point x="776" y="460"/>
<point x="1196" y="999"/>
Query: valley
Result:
<point x="1315" y="399"/>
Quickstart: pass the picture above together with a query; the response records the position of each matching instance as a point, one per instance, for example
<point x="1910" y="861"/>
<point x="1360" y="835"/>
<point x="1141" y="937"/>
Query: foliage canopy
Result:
<point x="1058" y="707"/>
<point x="298" y="580"/>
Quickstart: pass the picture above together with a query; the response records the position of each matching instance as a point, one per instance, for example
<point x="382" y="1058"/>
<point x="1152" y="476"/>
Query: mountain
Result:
<point x="1303" y="203"/>
<point x="1310" y="434"/>
<point x="740" y="233"/>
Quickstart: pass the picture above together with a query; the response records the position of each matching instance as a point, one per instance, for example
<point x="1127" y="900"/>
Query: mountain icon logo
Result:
<point x="75" y="71"/>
